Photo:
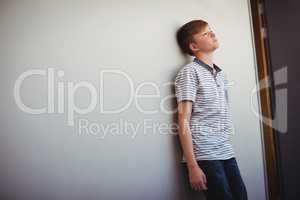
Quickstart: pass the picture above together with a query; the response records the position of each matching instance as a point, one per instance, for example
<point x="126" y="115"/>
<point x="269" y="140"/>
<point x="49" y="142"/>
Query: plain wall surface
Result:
<point x="44" y="157"/>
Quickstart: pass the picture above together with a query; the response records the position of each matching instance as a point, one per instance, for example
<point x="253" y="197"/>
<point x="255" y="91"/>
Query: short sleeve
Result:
<point x="186" y="84"/>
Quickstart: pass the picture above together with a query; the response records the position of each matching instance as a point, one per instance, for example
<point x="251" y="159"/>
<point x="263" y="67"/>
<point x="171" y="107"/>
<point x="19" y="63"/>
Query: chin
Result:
<point x="216" y="45"/>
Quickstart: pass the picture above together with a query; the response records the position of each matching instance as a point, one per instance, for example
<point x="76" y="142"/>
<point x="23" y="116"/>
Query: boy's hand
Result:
<point x="197" y="178"/>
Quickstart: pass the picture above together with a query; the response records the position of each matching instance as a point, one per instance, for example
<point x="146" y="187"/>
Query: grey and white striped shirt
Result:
<point x="211" y="121"/>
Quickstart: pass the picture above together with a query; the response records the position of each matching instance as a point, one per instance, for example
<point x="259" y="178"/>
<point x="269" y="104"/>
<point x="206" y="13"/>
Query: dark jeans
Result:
<point x="224" y="180"/>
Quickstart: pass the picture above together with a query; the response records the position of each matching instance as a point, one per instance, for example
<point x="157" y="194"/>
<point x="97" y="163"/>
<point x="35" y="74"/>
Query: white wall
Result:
<point x="45" y="157"/>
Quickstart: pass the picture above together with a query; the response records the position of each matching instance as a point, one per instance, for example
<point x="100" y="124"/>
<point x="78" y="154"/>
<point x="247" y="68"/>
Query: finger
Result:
<point x="193" y="186"/>
<point x="204" y="179"/>
<point x="203" y="186"/>
<point x="204" y="183"/>
<point x="199" y="187"/>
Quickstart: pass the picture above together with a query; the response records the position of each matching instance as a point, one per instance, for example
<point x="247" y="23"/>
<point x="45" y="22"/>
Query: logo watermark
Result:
<point x="61" y="100"/>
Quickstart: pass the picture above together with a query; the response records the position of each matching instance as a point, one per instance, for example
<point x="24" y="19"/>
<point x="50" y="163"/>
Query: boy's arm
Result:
<point x="186" y="84"/>
<point x="196" y="175"/>
<point x="184" y="114"/>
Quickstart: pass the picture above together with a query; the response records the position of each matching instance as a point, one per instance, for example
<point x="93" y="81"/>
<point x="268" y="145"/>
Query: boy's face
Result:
<point x="205" y="41"/>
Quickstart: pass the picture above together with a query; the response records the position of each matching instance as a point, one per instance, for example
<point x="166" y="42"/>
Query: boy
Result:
<point x="205" y="125"/>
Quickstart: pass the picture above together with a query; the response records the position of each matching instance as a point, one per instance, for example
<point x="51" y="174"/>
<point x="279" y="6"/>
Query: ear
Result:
<point x="193" y="46"/>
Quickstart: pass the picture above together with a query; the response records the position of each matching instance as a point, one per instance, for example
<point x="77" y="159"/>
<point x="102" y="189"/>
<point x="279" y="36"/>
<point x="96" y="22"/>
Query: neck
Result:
<point x="205" y="57"/>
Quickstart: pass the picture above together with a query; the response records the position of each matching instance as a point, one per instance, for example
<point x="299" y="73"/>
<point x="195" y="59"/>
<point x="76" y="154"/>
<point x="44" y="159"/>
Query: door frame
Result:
<point x="266" y="98"/>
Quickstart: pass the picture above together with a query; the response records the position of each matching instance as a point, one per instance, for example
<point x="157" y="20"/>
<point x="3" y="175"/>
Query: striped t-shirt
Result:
<point x="211" y="122"/>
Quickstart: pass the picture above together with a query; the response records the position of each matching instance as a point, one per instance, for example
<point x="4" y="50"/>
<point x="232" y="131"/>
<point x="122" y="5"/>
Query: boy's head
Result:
<point x="196" y="36"/>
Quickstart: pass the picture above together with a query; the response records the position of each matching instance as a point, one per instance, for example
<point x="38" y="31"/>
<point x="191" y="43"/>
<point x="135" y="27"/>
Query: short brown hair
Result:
<point x="185" y="34"/>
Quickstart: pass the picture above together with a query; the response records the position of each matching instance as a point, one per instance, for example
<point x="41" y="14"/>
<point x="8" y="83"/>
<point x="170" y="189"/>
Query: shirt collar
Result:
<point x="200" y="62"/>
